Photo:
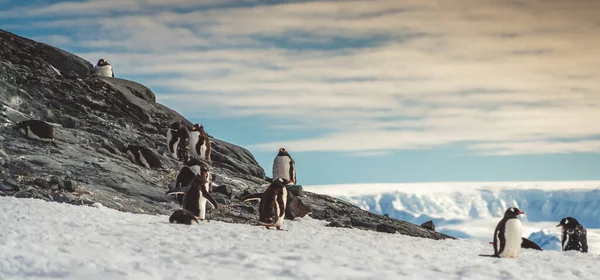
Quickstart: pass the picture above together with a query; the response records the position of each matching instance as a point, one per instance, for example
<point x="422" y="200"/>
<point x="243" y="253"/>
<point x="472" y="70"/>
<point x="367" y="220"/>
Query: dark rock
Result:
<point x="41" y="183"/>
<point x="22" y="194"/>
<point x="220" y="198"/>
<point x="339" y="224"/>
<point x="386" y="228"/>
<point x="11" y="182"/>
<point x="6" y="187"/>
<point x="295" y="207"/>
<point x="428" y="225"/>
<point x="56" y="182"/>
<point x="295" y="189"/>
<point x="223" y="189"/>
<point x="70" y="186"/>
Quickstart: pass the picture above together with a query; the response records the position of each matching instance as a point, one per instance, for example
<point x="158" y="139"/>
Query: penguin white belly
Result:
<point x="202" y="203"/>
<point x="143" y="160"/>
<point x="105" y="71"/>
<point x="281" y="167"/>
<point x="194" y="137"/>
<point x="172" y="148"/>
<point x="281" y="209"/>
<point x="195" y="169"/>
<point x="513" y="236"/>
<point x="131" y="156"/>
<point x="203" y="152"/>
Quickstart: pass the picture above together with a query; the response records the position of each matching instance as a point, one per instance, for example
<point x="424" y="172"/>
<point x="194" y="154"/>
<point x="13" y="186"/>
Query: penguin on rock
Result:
<point x="284" y="166"/>
<point x="104" y="69"/>
<point x="200" y="146"/>
<point x="177" y="141"/>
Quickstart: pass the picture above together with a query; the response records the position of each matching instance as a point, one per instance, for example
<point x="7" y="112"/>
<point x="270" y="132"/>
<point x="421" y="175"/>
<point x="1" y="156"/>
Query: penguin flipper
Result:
<point x="210" y="198"/>
<point x="254" y="196"/>
<point x="491" y="256"/>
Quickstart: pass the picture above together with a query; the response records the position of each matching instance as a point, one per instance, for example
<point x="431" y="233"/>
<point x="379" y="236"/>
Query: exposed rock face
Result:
<point x="95" y="117"/>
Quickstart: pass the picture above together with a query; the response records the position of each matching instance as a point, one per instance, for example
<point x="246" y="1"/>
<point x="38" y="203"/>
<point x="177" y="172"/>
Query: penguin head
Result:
<point x="280" y="182"/>
<point x="568" y="222"/>
<point x="175" y="126"/>
<point x="197" y="127"/>
<point x="102" y="62"/>
<point x="512" y="212"/>
<point x="283" y="152"/>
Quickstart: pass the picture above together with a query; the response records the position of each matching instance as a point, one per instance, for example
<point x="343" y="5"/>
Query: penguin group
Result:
<point x="508" y="239"/>
<point x="192" y="188"/>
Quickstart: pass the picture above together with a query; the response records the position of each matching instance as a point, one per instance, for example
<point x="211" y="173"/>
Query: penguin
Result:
<point x="507" y="235"/>
<point x="142" y="156"/>
<point x="284" y="166"/>
<point x="574" y="236"/>
<point x="197" y="195"/>
<point x="190" y="168"/>
<point x="104" y="69"/>
<point x="177" y="141"/>
<point x="527" y="244"/>
<point x="182" y="216"/>
<point x="36" y="129"/>
<point x="199" y="143"/>
<point x="273" y="202"/>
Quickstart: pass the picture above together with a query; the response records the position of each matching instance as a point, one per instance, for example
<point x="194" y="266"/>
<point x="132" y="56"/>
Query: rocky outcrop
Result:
<point x="95" y="117"/>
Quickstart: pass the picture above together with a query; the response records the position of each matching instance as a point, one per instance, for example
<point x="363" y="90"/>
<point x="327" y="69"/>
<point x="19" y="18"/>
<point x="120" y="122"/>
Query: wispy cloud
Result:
<point x="374" y="75"/>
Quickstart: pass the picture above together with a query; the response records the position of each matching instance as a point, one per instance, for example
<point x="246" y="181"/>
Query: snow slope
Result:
<point x="40" y="240"/>
<point x="472" y="210"/>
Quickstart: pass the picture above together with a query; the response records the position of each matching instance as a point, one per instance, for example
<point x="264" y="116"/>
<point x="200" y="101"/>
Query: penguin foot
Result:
<point x="279" y="228"/>
<point x="268" y="227"/>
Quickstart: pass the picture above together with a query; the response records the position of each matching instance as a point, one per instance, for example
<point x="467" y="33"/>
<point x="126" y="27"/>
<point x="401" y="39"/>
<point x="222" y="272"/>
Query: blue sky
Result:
<point x="360" y="91"/>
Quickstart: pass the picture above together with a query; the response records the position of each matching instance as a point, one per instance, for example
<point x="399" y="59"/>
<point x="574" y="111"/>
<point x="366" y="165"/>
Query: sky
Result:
<point x="360" y="91"/>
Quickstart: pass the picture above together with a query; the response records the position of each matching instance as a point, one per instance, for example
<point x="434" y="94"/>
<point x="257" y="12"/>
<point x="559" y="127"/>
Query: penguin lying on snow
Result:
<point x="574" y="236"/>
<point x="197" y="195"/>
<point x="103" y="68"/>
<point x="508" y="235"/>
<point x="36" y="129"/>
<point x="284" y="166"/>
<point x="183" y="216"/>
<point x="200" y="143"/>
<point x="527" y="244"/>
<point x="177" y="141"/>
<point x="142" y="156"/>
<point x="271" y="210"/>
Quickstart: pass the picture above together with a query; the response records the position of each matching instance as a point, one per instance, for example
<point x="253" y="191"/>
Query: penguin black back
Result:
<point x="183" y="216"/>
<point x="142" y="156"/>
<point x="574" y="235"/>
<point x="36" y="129"/>
<point x="272" y="202"/>
<point x="507" y="235"/>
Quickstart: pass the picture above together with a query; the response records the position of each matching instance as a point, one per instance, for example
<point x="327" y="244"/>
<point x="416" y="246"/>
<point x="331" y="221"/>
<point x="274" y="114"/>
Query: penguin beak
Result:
<point x="492" y="243"/>
<point x="559" y="225"/>
<point x="521" y="213"/>
<point x="181" y="164"/>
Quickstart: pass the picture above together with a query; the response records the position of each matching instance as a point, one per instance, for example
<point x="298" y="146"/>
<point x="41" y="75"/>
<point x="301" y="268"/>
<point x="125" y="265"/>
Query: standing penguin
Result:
<point x="273" y="201"/>
<point x="284" y="166"/>
<point x="197" y="195"/>
<point x="508" y="235"/>
<point x="103" y="68"/>
<point x="36" y="129"/>
<point x="177" y="141"/>
<point x="574" y="236"/>
<point x="186" y="175"/>
<point x="199" y="143"/>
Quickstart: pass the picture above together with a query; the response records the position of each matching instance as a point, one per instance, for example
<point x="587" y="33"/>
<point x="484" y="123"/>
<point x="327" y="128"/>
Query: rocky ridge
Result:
<point x="95" y="116"/>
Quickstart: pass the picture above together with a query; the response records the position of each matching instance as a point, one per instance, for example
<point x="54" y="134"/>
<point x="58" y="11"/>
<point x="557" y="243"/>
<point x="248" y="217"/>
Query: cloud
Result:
<point x="370" y="76"/>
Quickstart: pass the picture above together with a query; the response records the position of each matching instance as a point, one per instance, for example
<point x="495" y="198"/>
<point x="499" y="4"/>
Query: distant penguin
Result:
<point x="142" y="156"/>
<point x="187" y="173"/>
<point x="103" y="68"/>
<point x="273" y="202"/>
<point x="177" y="141"/>
<point x="199" y="143"/>
<point x="574" y="236"/>
<point x="36" y="129"/>
<point x="527" y="244"/>
<point x="508" y="235"/>
<point x="182" y="216"/>
<point x="284" y="166"/>
<point x="197" y="195"/>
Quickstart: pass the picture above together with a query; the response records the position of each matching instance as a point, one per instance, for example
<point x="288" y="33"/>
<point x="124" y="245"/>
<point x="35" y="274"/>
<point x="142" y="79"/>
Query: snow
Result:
<point x="472" y="209"/>
<point x="40" y="240"/>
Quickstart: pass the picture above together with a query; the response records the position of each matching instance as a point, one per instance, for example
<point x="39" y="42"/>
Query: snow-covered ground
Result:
<point x="472" y="210"/>
<point x="41" y="240"/>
